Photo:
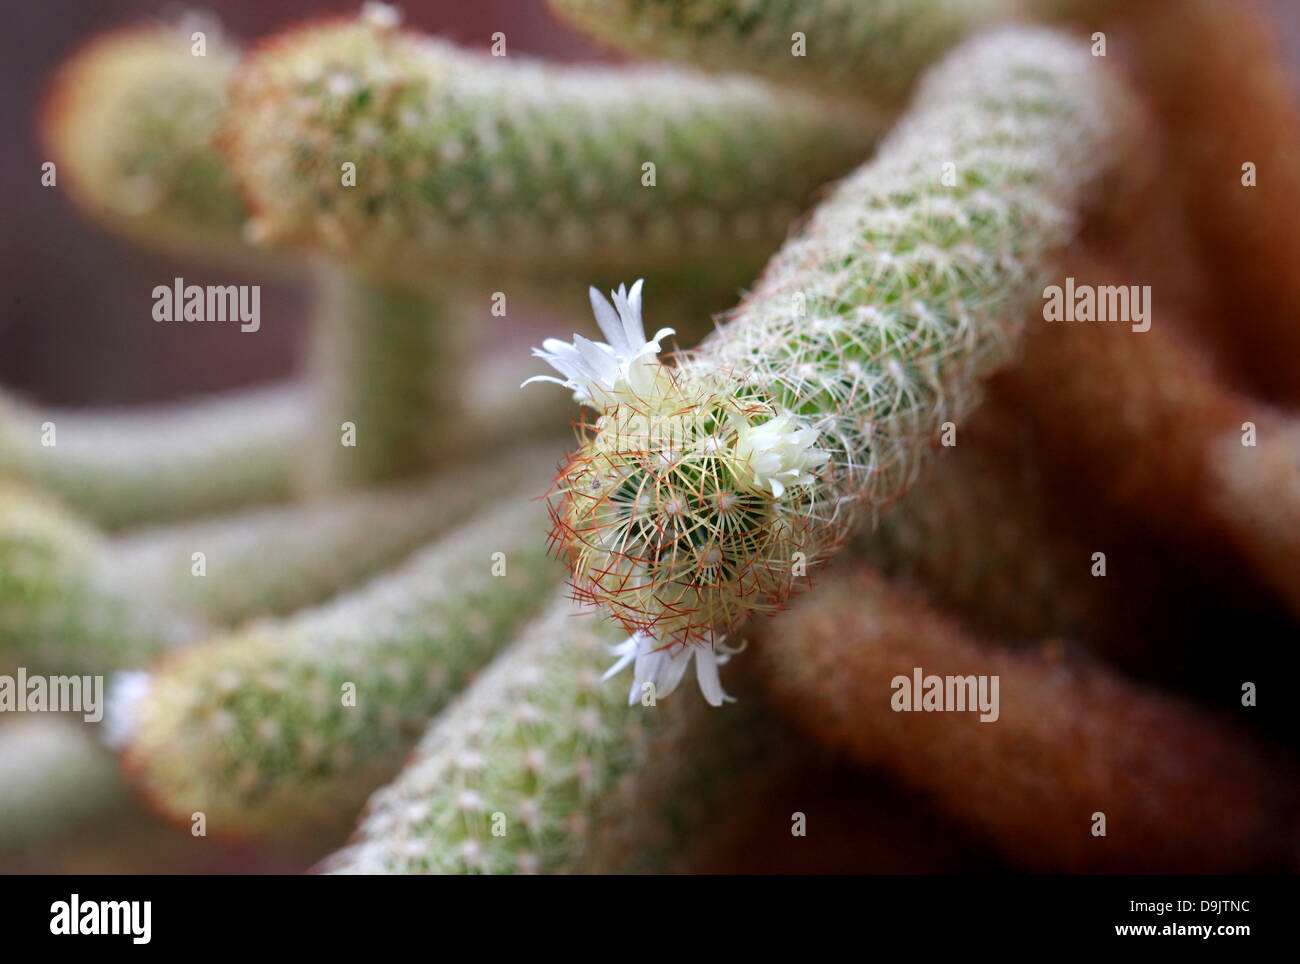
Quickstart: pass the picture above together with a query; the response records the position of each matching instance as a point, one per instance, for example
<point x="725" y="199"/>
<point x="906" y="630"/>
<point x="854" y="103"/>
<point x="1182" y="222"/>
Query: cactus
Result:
<point x="540" y="768"/>
<point x="135" y="118"/>
<point x="54" y="775"/>
<point x="985" y="534"/>
<point x="467" y="163"/>
<point x="130" y="121"/>
<point x="275" y="560"/>
<point x="867" y="48"/>
<point x="378" y="362"/>
<point x="156" y="463"/>
<point x="283" y="727"/>
<point x="1226" y="477"/>
<point x="59" y="612"/>
<point x="703" y="486"/>
<point x="702" y="490"/>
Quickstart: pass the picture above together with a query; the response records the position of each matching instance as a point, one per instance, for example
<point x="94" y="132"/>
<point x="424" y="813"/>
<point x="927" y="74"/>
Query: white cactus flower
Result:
<point x="779" y="452"/>
<point x="599" y="373"/>
<point x="664" y="667"/>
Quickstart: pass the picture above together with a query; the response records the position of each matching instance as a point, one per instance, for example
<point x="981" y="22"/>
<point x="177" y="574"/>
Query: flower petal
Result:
<point x="706" y="674"/>
<point x="611" y="326"/>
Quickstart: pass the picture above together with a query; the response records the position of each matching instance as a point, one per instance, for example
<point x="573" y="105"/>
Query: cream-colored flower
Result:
<point x="602" y="373"/>
<point x="778" y="453"/>
<point x="664" y="666"/>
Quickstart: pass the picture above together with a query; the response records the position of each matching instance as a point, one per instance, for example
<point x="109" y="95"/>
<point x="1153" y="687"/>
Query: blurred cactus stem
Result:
<point x="71" y="601"/>
<point x="542" y="768"/>
<point x="55" y="776"/>
<point x="60" y="612"/>
<point x="1182" y="790"/>
<point x="131" y="120"/>
<point x="157" y="464"/>
<point x="406" y="156"/>
<point x="274" y="560"/>
<point x="283" y="728"/>
<point x="386" y="370"/>
<point x="984" y="534"/>
<point x="704" y="490"/>
<point x="135" y="119"/>
<point x="122" y="467"/>
<point x="873" y="49"/>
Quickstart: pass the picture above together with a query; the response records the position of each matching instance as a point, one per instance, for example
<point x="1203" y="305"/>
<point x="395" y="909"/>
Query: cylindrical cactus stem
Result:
<point x="275" y="560"/>
<point x="155" y="463"/>
<point x="283" y="728"/>
<point x="496" y="167"/>
<point x="131" y="121"/>
<point x="386" y="370"/>
<point x="864" y="48"/>
<point x="54" y="776"/>
<point x="1180" y="791"/>
<point x="60" y="612"/>
<point x="702" y="491"/>
<point x="540" y="767"/>
<point x="1226" y="471"/>
<point x="134" y="120"/>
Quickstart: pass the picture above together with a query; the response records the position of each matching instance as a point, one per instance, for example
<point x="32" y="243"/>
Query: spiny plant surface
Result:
<point x="703" y="491"/>
<point x="466" y="162"/>
<point x="259" y="729"/>
<point x="540" y="768"/>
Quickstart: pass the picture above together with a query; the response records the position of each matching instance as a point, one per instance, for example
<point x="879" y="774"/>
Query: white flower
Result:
<point x="664" y="667"/>
<point x="599" y="372"/>
<point x="779" y="452"/>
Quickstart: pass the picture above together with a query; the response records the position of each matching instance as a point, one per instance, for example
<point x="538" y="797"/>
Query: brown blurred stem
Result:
<point x="1181" y="792"/>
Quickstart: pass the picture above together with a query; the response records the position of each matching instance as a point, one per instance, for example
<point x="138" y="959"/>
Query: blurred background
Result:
<point x="76" y="326"/>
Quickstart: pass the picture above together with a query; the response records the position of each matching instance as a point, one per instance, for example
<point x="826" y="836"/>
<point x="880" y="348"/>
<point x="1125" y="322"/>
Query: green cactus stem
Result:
<point x="275" y="560"/>
<point x="122" y="467"/>
<point x="154" y="464"/>
<point x="542" y="768"/>
<point x="502" y="167"/>
<point x="131" y="123"/>
<point x="283" y="728"/>
<point x="385" y="361"/>
<point x="868" y="48"/>
<point x="59" y="614"/>
<point x="54" y="776"/>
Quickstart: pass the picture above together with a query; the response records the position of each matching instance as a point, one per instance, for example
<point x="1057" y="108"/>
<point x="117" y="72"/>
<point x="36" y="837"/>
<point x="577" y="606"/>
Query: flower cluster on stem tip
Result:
<point x="679" y="514"/>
